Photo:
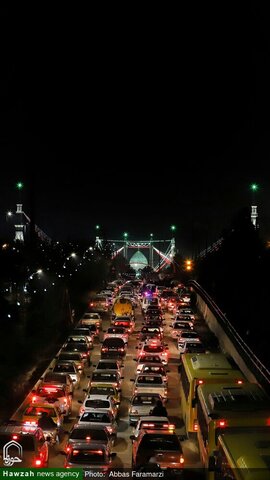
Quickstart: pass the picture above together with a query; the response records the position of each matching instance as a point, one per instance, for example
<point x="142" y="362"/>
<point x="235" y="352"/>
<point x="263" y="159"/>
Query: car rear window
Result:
<point x="104" y="376"/>
<point x="160" y="442"/>
<point x="102" y="391"/>
<point x="98" y="417"/>
<point x="87" y="434"/>
<point x="97" y="403"/>
<point x="149" y="379"/>
<point x="51" y="391"/>
<point x="153" y="348"/>
<point x="145" y="400"/>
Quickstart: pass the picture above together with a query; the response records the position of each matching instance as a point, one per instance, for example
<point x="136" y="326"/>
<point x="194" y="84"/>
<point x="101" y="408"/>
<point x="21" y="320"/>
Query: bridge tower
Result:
<point x="254" y="216"/>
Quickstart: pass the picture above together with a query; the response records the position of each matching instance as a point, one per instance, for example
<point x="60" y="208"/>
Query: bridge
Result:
<point x="160" y="253"/>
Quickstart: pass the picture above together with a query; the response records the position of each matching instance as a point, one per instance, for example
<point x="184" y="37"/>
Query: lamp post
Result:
<point x="254" y="213"/>
<point x="151" y="256"/>
<point x="125" y="235"/>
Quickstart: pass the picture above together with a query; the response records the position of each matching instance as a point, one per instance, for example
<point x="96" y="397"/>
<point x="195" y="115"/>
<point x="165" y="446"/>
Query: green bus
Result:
<point x="200" y="369"/>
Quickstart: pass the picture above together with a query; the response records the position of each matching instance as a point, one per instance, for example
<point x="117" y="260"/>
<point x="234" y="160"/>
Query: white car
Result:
<point x="150" y="383"/>
<point x="185" y="338"/>
<point x="116" y="332"/>
<point x="153" y="423"/>
<point x="142" y="404"/>
<point x="90" y="318"/>
<point x="179" y="326"/>
<point x="104" y="403"/>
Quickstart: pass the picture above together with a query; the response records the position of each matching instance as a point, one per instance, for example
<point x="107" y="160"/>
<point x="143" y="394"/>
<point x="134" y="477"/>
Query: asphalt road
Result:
<point x="123" y="443"/>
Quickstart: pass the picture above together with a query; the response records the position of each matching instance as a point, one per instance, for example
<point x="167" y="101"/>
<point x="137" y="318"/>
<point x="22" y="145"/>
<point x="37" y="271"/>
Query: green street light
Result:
<point x="173" y="228"/>
<point x="125" y="235"/>
<point x="151" y="235"/>
<point x="254" y="187"/>
<point x="97" y="227"/>
<point x="19" y="185"/>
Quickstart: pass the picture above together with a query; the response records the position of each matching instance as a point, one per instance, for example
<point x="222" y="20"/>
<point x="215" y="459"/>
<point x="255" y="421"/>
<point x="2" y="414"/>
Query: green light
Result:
<point x="173" y="228"/>
<point x="254" y="187"/>
<point x="151" y="235"/>
<point x="125" y="234"/>
<point x="19" y="185"/>
<point x="97" y="227"/>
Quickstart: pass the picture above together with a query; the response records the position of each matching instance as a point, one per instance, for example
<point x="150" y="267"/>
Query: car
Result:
<point x="110" y="364"/>
<point x="106" y="377"/>
<point x="81" y="348"/>
<point x="33" y="411"/>
<point x="77" y="338"/>
<point x="67" y="368"/>
<point x="153" y="423"/>
<point x="72" y="357"/>
<point x="86" y="332"/>
<point x="116" y="332"/>
<point x="90" y="457"/>
<point x="94" y="417"/>
<point x="150" y="383"/>
<point x="113" y="348"/>
<point x="102" y="402"/>
<point x="91" y="318"/>
<point x="155" y="368"/>
<point x="56" y="378"/>
<point x="26" y="442"/>
<point x="185" y="337"/>
<point x="150" y="332"/>
<point x="155" y="348"/>
<point x="186" y="312"/>
<point x="146" y="359"/>
<point x="142" y="404"/>
<point x="125" y="322"/>
<point x="103" y="389"/>
<point x="99" y="303"/>
<point x="159" y="447"/>
<point x="55" y="394"/>
<point x="178" y="327"/>
<point x="82" y="434"/>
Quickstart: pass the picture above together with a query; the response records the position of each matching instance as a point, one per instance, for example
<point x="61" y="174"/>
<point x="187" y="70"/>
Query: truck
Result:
<point x="122" y="307"/>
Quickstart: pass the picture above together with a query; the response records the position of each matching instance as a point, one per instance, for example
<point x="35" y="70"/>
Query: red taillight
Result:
<point x="122" y="349"/>
<point x="84" y="355"/>
<point x="110" y="430"/>
<point x="104" y="349"/>
<point x="195" y="426"/>
<point x="38" y="462"/>
<point x="200" y="382"/>
<point x="148" y="425"/>
<point x="91" y="304"/>
<point x="182" y="460"/>
<point x="68" y="449"/>
<point x="15" y="437"/>
<point x="239" y="382"/>
<point x="221" y="423"/>
<point x="88" y="439"/>
<point x="34" y="399"/>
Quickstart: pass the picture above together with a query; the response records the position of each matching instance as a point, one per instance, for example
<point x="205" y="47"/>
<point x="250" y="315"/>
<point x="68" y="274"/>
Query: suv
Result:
<point x="157" y="446"/>
<point x="26" y="442"/>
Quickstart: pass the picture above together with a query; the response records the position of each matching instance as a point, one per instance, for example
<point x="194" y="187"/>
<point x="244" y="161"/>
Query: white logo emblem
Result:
<point x="8" y="460"/>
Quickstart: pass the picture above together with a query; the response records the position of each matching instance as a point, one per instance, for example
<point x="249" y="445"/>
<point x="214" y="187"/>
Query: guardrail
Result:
<point x="258" y="369"/>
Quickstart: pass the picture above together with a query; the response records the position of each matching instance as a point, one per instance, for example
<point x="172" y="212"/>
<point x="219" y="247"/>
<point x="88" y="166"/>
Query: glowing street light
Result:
<point x="173" y="228"/>
<point x="125" y="235"/>
<point x="97" y="227"/>
<point x="254" y="187"/>
<point x="19" y="185"/>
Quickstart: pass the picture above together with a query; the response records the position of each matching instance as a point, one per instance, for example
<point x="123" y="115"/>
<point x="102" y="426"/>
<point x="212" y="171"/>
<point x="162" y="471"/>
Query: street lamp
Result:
<point x="254" y="187"/>
<point x="19" y="185"/>
<point x="173" y="228"/>
<point x="125" y="234"/>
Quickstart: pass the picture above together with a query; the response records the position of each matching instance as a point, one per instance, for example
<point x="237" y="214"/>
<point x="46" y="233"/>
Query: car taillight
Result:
<point x="200" y="382"/>
<point x="34" y="399"/>
<point x="122" y="349"/>
<point x="82" y="410"/>
<point x="15" y="437"/>
<point x="239" y="382"/>
<point x="104" y="349"/>
<point x="148" y="425"/>
<point x="135" y="390"/>
<point x="182" y="459"/>
<point x="222" y="423"/>
<point x="38" y="462"/>
<point x="30" y="423"/>
<point x="195" y="426"/>
<point x="68" y="449"/>
<point x="110" y="430"/>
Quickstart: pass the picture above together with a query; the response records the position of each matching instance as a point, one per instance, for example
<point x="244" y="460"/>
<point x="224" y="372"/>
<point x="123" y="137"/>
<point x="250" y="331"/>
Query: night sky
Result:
<point x="189" y="90"/>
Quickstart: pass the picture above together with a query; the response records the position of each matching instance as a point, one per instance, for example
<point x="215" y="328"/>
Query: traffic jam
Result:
<point x="110" y="398"/>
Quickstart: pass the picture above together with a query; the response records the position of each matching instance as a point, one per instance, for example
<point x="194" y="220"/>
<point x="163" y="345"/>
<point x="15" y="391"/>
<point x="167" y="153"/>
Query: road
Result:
<point x="123" y="443"/>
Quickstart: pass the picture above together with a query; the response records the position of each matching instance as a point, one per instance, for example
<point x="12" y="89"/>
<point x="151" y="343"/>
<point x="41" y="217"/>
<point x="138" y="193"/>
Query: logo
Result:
<point x="16" y="448"/>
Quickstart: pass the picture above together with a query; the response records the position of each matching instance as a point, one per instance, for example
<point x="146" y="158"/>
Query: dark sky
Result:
<point x="98" y="99"/>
